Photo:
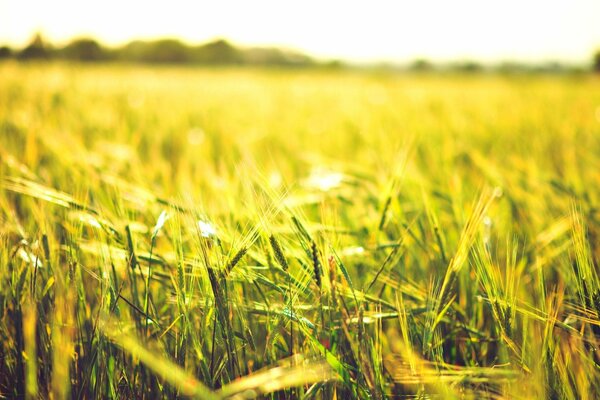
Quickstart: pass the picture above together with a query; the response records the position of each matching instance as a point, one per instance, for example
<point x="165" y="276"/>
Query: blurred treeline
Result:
<point x="222" y="52"/>
<point x="161" y="51"/>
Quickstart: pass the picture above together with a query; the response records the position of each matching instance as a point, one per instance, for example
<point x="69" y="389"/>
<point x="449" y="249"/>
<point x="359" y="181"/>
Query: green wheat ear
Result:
<point x="278" y="252"/>
<point x="316" y="264"/>
<point x="235" y="260"/>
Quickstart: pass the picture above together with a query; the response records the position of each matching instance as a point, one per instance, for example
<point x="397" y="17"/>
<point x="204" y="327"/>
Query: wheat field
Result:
<point x="260" y="233"/>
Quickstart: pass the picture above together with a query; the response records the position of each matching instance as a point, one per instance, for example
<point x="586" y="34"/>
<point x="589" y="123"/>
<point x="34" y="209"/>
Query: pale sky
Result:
<point x="376" y="30"/>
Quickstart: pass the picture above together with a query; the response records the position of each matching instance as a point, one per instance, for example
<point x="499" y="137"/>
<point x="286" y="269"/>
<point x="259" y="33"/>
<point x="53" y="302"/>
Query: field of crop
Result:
<point x="240" y="233"/>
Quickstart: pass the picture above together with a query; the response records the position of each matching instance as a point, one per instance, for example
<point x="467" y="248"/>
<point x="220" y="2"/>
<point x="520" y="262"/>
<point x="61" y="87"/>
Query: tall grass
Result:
<point x="286" y="234"/>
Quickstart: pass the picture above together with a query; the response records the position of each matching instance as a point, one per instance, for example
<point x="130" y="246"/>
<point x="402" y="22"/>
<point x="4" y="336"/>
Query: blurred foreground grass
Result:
<point x="297" y="234"/>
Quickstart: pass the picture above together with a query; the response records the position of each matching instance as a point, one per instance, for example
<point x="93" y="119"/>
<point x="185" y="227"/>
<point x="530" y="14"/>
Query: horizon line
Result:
<point x="356" y="61"/>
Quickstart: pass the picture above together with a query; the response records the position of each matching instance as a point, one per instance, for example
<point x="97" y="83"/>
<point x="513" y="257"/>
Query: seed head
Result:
<point x="278" y="252"/>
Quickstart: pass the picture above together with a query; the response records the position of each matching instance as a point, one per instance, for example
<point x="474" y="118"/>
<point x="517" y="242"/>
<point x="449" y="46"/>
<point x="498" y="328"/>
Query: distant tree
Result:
<point x="508" y="67"/>
<point x="421" y="65"/>
<point x="334" y="64"/>
<point x="163" y="51"/>
<point x="5" y="52"/>
<point x="468" y="67"/>
<point x="550" y="67"/>
<point x="132" y="51"/>
<point x="597" y="61"/>
<point x="274" y="56"/>
<point x="36" y="49"/>
<point x="84" y="49"/>
<point x="167" y="51"/>
<point x="218" y="52"/>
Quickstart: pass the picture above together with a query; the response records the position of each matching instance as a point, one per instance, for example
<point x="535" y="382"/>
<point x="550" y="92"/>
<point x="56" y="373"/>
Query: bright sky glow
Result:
<point x="530" y="30"/>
